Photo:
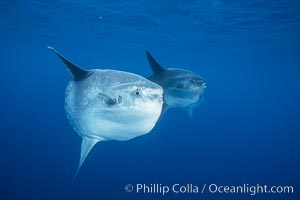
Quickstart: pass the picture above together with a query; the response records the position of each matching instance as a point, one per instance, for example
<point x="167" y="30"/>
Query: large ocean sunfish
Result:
<point x="109" y="105"/>
<point x="182" y="88"/>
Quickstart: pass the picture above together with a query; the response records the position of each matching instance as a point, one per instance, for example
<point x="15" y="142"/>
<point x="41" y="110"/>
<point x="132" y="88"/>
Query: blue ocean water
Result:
<point x="245" y="132"/>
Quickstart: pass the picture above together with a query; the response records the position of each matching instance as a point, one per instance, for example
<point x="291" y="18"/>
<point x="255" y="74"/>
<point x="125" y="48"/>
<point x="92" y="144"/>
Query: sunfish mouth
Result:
<point x="197" y="88"/>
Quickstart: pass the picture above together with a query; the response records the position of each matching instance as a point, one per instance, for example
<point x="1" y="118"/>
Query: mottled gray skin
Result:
<point x="182" y="88"/>
<point x="109" y="104"/>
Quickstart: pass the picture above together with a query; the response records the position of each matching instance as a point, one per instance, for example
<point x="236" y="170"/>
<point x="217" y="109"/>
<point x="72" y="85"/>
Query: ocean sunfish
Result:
<point x="109" y="105"/>
<point x="182" y="88"/>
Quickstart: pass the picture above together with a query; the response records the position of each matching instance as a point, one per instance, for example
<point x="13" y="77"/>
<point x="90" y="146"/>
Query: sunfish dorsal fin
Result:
<point x="156" y="68"/>
<point x="87" y="144"/>
<point x="77" y="72"/>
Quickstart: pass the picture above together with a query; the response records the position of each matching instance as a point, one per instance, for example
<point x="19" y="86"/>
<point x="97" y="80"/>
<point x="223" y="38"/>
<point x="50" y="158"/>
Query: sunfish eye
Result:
<point x="119" y="99"/>
<point x="197" y="81"/>
<point x="137" y="92"/>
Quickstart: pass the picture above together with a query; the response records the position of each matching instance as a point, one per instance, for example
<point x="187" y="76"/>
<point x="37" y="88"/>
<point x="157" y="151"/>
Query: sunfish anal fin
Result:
<point x="87" y="144"/>
<point x="190" y="108"/>
<point x="190" y="113"/>
<point x="156" y="68"/>
<point x="77" y="72"/>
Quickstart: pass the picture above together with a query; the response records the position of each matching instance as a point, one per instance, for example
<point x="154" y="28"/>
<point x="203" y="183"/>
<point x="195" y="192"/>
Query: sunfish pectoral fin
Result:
<point x="156" y="68"/>
<point x="107" y="100"/>
<point x="77" y="72"/>
<point x="87" y="144"/>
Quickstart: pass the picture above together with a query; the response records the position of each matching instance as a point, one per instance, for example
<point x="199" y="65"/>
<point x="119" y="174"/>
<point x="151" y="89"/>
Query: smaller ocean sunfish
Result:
<point x="109" y="105"/>
<point x="182" y="88"/>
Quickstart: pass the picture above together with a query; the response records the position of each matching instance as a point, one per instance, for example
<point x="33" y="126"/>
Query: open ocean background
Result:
<point x="246" y="131"/>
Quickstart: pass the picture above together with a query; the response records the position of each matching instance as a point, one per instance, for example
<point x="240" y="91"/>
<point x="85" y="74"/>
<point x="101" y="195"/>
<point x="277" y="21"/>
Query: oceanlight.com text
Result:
<point x="164" y="189"/>
<point x="250" y="189"/>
